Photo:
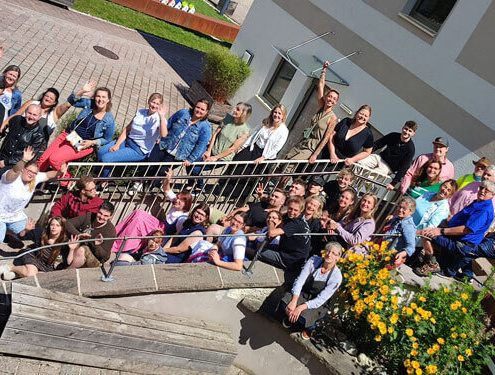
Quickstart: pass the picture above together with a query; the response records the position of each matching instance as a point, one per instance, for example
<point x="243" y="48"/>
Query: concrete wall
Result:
<point x="402" y="76"/>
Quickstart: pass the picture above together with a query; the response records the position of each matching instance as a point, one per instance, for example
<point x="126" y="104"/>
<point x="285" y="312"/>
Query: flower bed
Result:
<point x="429" y="331"/>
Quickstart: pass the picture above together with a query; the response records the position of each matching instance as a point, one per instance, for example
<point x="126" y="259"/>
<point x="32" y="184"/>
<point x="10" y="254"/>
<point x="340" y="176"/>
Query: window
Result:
<point x="432" y="13"/>
<point x="279" y="82"/>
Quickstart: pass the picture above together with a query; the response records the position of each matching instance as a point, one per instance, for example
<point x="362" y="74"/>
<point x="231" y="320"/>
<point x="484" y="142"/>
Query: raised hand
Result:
<point x="30" y="224"/>
<point x="162" y="110"/>
<point x="88" y="87"/>
<point x="98" y="243"/>
<point x="28" y="154"/>
<point x="75" y="245"/>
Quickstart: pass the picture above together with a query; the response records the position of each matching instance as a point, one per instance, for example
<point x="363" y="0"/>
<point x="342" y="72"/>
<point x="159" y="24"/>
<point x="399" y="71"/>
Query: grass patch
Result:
<point x="142" y="22"/>
<point x="203" y="8"/>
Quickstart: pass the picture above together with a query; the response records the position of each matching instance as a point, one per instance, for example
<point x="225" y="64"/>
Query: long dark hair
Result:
<point x="421" y="176"/>
<point x="205" y="208"/>
<point x="208" y="106"/>
<point x="55" y="252"/>
<point x="109" y="93"/>
<point x="55" y="92"/>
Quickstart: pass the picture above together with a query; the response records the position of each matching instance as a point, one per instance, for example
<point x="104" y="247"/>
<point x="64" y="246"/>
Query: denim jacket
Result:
<point x="104" y="129"/>
<point x="407" y="229"/>
<point x="16" y="100"/>
<point x="193" y="144"/>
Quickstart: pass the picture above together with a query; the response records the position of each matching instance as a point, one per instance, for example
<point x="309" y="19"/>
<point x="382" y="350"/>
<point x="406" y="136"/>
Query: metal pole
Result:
<point x="224" y="7"/>
<point x="249" y="271"/>
<point x="107" y="276"/>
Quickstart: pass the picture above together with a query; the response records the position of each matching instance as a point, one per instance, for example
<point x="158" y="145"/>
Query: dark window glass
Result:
<point x="432" y="13"/>
<point x="279" y="82"/>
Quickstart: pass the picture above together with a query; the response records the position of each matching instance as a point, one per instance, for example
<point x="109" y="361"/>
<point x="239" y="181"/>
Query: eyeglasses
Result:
<point x="201" y="213"/>
<point x="92" y="189"/>
<point x="29" y="171"/>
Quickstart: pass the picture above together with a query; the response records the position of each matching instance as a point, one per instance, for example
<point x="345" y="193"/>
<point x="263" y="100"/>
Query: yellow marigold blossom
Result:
<point x="415" y="364"/>
<point x="419" y="371"/>
<point x="441" y="341"/>
<point x="382" y="325"/>
<point x="430" y="351"/>
<point x="453" y="329"/>
<point x="409" y="311"/>
<point x="414" y="306"/>
<point x="433" y="320"/>
<point x="454" y="335"/>
<point x="394" y="318"/>
<point x="446" y="290"/>
<point x="460" y="358"/>
<point x="387" y="259"/>
<point x="378" y="338"/>
<point x="463" y="335"/>
<point x="409" y="332"/>
<point x="410" y="370"/>
<point x="464" y="296"/>
<point x="414" y="353"/>
<point x="384" y="298"/>
<point x="417" y="318"/>
<point x="394" y="299"/>
<point x="436" y="347"/>
<point x="379" y="305"/>
<point x="469" y="352"/>
<point x="390" y="330"/>
<point x="383" y="331"/>
<point x="422" y="299"/>
<point x="431" y="369"/>
<point x="453" y="306"/>
<point x="464" y="310"/>
<point x="407" y="363"/>
<point x="415" y="345"/>
<point x="392" y="282"/>
<point x="414" y="338"/>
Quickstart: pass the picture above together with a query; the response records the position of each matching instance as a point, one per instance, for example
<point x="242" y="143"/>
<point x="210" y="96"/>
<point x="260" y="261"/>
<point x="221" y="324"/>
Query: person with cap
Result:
<point x="396" y="156"/>
<point x="479" y="168"/>
<point x="315" y="187"/>
<point x="440" y="149"/>
<point x="464" y="231"/>
<point x="466" y="196"/>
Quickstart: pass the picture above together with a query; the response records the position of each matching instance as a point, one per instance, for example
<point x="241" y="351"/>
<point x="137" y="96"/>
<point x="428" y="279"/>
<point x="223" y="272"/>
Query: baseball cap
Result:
<point x="441" y="141"/>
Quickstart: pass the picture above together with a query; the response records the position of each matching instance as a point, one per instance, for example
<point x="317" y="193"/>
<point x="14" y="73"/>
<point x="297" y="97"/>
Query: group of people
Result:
<point x="439" y="225"/>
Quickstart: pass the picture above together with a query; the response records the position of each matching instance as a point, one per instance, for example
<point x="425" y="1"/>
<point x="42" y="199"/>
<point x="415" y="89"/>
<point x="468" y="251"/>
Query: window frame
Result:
<point x="424" y="21"/>
<point x="266" y="93"/>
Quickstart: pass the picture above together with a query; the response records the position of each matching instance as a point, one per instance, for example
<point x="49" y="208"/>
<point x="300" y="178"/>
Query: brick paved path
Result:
<point x="54" y="47"/>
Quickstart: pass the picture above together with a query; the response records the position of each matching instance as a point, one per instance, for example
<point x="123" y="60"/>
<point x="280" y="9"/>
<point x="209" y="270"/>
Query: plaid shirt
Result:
<point x="71" y="205"/>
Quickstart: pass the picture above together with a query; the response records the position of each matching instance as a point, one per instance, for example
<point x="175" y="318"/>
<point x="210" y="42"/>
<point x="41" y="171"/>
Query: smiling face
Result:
<point x="294" y="210"/>
<point x="277" y="199"/>
<point x="344" y="182"/>
<point x="404" y="210"/>
<point x="297" y="189"/>
<point x="332" y="256"/>
<point x="11" y="78"/>
<point x="439" y="151"/>
<point x="433" y="170"/>
<point x="89" y="190"/>
<point x="154" y="244"/>
<point x="274" y="218"/>
<point x="331" y="99"/>
<point x="237" y="223"/>
<point x="179" y="204"/>
<point x="485" y="194"/>
<point x="55" y="228"/>
<point x="446" y="191"/>
<point x="33" y="114"/>
<point x="346" y="200"/>
<point x="49" y="100"/>
<point x="314" y="188"/>
<point x="277" y="116"/>
<point x="367" y="204"/>
<point x="200" y="111"/>
<point x="479" y="169"/>
<point x="406" y="134"/>
<point x="29" y="173"/>
<point x="199" y="216"/>
<point x="101" y="100"/>
<point x="237" y="113"/>
<point x="102" y="217"/>
<point x="363" y="116"/>
<point x="312" y="207"/>
<point x="154" y="105"/>
<point x="488" y="175"/>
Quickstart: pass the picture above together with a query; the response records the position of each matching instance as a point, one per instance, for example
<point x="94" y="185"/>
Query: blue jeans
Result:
<point x="483" y="250"/>
<point x="196" y="171"/>
<point x="453" y="255"/>
<point x="16" y="227"/>
<point x="128" y="151"/>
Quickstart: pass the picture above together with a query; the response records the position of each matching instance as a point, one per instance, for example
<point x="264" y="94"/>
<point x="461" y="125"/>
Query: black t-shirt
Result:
<point x="294" y="250"/>
<point x="256" y="216"/>
<point x="332" y="191"/>
<point x="397" y="154"/>
<point x="351" y="147"/>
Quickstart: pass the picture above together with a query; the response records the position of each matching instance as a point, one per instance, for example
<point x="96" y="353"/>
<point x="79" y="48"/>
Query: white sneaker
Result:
<point x="4" y="268"/>
<point x="136" y="188"/>
<point x="9" y="275"/>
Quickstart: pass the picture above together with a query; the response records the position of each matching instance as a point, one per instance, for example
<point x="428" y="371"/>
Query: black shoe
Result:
<point x="286" y="323"/>
<point x="463" y="278"/>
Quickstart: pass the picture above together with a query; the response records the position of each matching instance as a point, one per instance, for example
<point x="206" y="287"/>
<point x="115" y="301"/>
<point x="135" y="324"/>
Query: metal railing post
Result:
<point x="107" y="276"/>
<point x="249" y="270"/>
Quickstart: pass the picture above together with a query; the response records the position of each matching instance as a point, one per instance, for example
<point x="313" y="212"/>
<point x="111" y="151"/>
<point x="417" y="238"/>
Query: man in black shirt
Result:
<point x="292" y="250"/>
<point x="23" y="132"/>
<point x="334" y="188"/>
<point x="397" y="155"/>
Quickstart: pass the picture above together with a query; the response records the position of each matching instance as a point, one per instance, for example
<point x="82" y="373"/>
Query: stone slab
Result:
<point x="128" y="281"/>
<point x="264" y="276"/>
<point x="187" y="277"/>
<point x="60" y="281"/>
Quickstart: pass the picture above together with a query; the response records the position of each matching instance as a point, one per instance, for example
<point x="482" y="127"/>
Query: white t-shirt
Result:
<point x="263" y="137"/>
<point x="145" y="130"/>
<point x="6" y="101"/>
<point x="14" y="196"/>
<point x="173" y="214"/>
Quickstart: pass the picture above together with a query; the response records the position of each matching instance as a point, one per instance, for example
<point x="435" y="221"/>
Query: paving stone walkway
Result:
<point x="54" y="48"/>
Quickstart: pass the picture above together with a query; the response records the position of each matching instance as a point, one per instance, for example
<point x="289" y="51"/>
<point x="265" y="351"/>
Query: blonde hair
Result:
<point x="246" y="111"/>
<point x="269" y="120"/>
<point x="356" y="211"/>
<point x="317" y="198"/>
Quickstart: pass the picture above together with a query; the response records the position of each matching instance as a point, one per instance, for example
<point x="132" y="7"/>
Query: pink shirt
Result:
<point x="446" y="174"/>
<point x="465" y="196"/>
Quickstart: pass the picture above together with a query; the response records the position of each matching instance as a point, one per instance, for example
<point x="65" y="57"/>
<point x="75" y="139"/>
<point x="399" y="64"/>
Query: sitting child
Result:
<point x="153" y="253"/>
<point x="402" y="224"/>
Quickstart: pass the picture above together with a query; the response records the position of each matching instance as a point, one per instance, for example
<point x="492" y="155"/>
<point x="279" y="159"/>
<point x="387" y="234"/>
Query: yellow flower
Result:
<point x="430" y="351"/>
<point x="446" y="290"/>
<point x="415" y="345"/>
<point x="414" y="353"/>
<point x="379" y="305"/>
<point x="433" y="320"/>
<point x="387" y="259"/>
<point x="414" y="306"/>
<point x="460" y="358"/>
<point x="431" y="369"/>
<point x="415" y="364"/>
<point x="409" y="332"/>
<point x="378" y="338"/>
<point x="463" y="335"/>
<point x="417" y="318"/>
<point x="453" y="329"/>
<point x="441" y="341"/>
<point x="422" y="299"/>
<point x="464" y="296"/>
<point x="414" y="338"/>
<point x="469" y="352"/>
<point x="436" y="347"/>
<point x="464" y="310"/>
<point x="390" y="330"/>
<point x="392" y="282"/>
<point x="454" y="335"/>
<point x="453" y="306"/>
<point x="419" y="371"/>
<point x="410" y="370"/>
<point x="394" y="318"/>
<point x="407" y="363"/>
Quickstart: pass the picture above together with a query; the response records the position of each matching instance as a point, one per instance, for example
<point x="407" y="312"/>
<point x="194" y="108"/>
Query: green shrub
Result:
<point x="224" y="73"/>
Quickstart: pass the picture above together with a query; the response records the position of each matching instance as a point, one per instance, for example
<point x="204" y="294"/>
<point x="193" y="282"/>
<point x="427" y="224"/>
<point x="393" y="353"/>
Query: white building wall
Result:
<point x="267" y="24"/>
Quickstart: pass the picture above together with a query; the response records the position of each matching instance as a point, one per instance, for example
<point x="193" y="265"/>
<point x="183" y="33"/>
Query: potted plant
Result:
<point x="223" y="75"/>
